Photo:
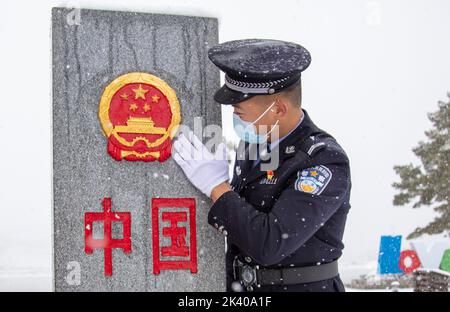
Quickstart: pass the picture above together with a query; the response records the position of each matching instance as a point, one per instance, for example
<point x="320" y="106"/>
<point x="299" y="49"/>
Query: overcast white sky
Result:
<point x="377" y="68"/>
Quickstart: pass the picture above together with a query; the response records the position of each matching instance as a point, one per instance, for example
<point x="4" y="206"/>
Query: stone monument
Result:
<point x="125" y="217"/>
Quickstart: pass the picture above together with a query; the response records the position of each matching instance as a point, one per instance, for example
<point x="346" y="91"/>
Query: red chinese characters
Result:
<point x="107" y="243"/>
<point x="175" y="212"/>
<point x="177" y="219"/>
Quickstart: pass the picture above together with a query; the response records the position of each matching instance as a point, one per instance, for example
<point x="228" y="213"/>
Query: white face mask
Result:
<point x="246" y="130"/>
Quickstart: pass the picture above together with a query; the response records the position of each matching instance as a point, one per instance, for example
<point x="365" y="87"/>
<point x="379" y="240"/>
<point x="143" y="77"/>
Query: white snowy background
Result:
<point x="377" y="68"/>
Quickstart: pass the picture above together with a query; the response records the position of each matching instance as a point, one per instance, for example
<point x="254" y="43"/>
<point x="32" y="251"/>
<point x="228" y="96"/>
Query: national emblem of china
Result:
<point x="139" y="114"/>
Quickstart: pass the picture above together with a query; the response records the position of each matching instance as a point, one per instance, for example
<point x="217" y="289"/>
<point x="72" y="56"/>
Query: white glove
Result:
<point x="204" y="169"/>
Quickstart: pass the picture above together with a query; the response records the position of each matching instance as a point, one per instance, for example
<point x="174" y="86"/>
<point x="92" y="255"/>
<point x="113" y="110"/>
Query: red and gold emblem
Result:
<point x="139" y="114"/>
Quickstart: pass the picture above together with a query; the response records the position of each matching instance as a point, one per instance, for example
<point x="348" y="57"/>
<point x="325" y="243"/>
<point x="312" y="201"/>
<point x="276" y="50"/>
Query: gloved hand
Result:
<point x="204" y="169"/>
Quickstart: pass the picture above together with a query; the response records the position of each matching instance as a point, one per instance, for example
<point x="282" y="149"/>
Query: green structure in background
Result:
<point x="445" y="262"/>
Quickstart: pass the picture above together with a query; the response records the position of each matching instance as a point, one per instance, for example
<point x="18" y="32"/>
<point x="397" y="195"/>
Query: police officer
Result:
<point x="284" y="212"/>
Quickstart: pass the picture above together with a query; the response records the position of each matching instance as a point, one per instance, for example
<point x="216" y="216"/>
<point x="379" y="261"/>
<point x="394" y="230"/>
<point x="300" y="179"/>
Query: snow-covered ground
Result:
<point x="25" y="279"/>
<point x="378" y="290"/>
<point x="349" y="271"/>
<point x="29" y="281"/>
<point x="40" y="279"/>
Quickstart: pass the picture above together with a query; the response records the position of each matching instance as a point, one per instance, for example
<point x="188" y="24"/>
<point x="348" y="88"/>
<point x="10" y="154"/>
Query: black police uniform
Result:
<point x="285" y="225"/>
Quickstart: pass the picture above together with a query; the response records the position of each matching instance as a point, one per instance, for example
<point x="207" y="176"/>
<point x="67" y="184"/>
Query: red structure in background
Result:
<point x="107" y="242"/>
<point x="414" y="261"/>
<point x="177" y="234"/>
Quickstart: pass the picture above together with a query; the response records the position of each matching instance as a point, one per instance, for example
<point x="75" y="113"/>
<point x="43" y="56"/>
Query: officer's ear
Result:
<point x="281" y="107"/>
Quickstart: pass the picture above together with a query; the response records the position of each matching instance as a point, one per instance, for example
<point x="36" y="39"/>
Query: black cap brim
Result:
<point x="227" y="96"/>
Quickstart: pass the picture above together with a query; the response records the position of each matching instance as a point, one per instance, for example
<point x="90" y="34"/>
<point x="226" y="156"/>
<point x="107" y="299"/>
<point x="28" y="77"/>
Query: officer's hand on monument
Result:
<point x="204" y="169"/>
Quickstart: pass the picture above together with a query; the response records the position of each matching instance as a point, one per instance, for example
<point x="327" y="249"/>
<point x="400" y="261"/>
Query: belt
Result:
<point x="251" y="276"/>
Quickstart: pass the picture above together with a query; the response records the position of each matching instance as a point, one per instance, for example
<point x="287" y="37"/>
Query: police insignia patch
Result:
<point x="313" y="180"/>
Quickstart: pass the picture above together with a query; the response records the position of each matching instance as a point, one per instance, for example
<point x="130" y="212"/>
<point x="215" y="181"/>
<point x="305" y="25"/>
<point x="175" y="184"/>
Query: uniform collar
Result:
<point x="291" y="142"/>
<point x="274" y="144"/>
<point x="288" y="147"/>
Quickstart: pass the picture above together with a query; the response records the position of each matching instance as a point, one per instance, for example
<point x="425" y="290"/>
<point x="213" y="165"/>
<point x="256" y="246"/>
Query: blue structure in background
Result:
<point x="389" y="256"/>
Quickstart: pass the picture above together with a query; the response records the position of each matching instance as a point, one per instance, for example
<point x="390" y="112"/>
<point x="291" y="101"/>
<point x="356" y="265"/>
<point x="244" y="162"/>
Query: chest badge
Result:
<point x="269" y="179"/>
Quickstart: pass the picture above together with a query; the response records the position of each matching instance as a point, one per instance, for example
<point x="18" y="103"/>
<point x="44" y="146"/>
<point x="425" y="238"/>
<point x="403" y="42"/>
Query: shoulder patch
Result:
<point x="313" y="180"/>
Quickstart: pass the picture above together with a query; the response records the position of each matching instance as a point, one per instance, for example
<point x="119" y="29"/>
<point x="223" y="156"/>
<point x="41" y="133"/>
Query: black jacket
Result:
<point x="295" y="217"/>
